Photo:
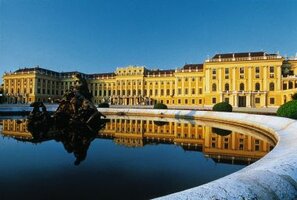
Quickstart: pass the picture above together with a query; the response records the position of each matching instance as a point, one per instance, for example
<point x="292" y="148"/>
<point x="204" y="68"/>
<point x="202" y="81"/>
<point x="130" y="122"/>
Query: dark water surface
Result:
<point x="131" y="158"/>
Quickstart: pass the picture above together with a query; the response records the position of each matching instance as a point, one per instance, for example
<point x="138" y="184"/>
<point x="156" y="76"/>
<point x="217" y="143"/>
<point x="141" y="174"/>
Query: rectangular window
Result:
<point x="271" y="100"/>
<point x="240" y="146"/>
<point x="200" y="101"/>
<point x="186" y="101"/>
<point x="193" y="90"/>
<point x="214" y="100"/>
<point x="214" y="74"/>
<point x="257" y="100"/>
<point x="213" y="145"/>
<point x="200" y="90"/>
<point x="271" y="71"/>
<point x="226" y="73"/>
<point x="179" y="101"/>
<point x="257" y="72"/>
<point x="227" y="100"/>
<point x="179" y="91"/>
<point x="186" y="91"/>
<point x="257" y="148"/>
<point x="241" y="70"/>
<point x="193" y="101"/>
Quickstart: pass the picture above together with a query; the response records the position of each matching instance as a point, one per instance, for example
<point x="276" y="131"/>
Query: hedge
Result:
<point x="222" y="107"/>
<point x="103" y="105"/>
<point x="160" y="106"/>
<point x="220" y="131"/>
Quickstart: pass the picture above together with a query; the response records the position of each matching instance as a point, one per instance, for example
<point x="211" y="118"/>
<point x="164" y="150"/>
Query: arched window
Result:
<point x="257" y="86"/>
<point x="271" y="86"/>
<point x="214" y="87"/>
<point x="241" y="87"/>
<point x="227" y="87"/>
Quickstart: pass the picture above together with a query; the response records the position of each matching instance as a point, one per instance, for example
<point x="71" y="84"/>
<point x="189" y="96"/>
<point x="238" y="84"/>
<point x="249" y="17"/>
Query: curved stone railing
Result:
<point x="272" y="177"/>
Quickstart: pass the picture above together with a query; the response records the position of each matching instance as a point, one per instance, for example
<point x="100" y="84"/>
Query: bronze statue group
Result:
<point x="75" y="123"/>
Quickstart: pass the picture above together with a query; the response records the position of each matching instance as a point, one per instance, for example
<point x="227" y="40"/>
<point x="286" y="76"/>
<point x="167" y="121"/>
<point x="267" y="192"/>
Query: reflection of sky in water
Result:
<point x="46" y="171"/>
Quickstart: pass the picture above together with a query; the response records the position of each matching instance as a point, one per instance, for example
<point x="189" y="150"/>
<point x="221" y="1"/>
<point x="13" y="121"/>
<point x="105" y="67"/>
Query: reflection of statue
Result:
<point x="76" y="138"/>
<point x="38" y="120"/>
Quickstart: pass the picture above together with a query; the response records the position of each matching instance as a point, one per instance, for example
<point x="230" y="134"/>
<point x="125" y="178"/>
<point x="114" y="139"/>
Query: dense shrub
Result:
<point x="294" y="96"/>
<point x="160" y="106"/>
<point x="222" y="107"/>
<point x="288" y="110"/>
<point x="103" y="105"/>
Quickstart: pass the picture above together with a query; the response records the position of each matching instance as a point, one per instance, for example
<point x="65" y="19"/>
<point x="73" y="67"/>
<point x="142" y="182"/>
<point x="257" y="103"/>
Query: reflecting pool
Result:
<point x="129" y="158"/>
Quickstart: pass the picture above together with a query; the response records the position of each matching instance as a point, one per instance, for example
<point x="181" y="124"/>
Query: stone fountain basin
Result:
<point x="272" y="177"/>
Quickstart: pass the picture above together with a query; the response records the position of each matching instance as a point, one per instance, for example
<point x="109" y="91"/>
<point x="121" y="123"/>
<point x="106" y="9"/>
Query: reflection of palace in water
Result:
<point x="225" y="146"/>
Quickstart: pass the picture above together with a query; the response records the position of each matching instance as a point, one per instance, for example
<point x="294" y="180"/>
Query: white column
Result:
<point x="236" y="100"/>
<point x="234" y="78"/>
<point x="159" y="88"/>
<point x="175" y="88"/>
<point x="250" y="78"/>
<point x="183" y="86"/>
<point x="171" y="87"/>
<point x="279" y="76"/>
<point x="197" y="86"/>
<point x="220" y="79"/>
<point x="264" y="78"/>
<point x="207" y="81"/>
<point x="190" y="86"/>
<point x="248" y="100"/>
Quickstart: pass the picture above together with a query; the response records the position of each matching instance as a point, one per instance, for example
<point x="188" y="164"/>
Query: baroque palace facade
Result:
<point x="252" y="79"/>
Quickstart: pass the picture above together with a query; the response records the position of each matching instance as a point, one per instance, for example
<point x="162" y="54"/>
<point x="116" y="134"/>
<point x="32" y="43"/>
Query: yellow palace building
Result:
<point x="251" y="79"/>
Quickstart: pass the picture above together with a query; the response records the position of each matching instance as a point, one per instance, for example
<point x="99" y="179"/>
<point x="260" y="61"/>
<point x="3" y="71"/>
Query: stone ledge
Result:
<point x="272" y="177"/>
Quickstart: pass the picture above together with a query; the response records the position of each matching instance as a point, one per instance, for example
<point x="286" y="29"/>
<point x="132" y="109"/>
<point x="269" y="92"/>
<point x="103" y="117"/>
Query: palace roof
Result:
<point x="193" y="66"/>
<point x="242" y="55"/>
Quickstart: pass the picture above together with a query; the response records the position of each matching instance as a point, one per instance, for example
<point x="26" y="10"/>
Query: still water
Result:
<point x="129" y="158"/>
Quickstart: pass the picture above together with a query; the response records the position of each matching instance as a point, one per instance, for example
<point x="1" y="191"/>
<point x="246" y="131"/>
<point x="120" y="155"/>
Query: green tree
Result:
<point x="286" y="68"/>
<point x="288" y="110"/>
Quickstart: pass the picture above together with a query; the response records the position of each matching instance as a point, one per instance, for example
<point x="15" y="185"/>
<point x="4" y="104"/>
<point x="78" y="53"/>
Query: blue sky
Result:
<point x="98" y="36"/>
